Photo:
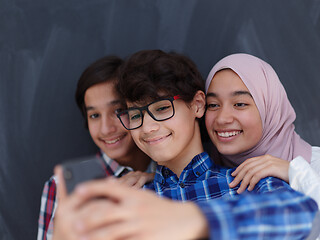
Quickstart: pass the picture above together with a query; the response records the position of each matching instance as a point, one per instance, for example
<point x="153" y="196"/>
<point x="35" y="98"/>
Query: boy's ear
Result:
<point x="199" y="103"/>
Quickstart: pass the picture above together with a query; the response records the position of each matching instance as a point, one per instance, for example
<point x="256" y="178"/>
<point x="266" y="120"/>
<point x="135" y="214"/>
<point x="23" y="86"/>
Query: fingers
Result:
<point x="136" y="179"/>
<point x="61" y="190"/>
<point x="251" y="178"/>
<point x="141" y="182"/>
<point x="257" y="177"/>
<point x="67" y="201"/>
<point x="120" y="230"/>
<point x="115" y="205"/>
<point x="108" y="188"/>
<point x="144" y="178"/>
<point x="252" y="170"/>
<point x="128" y="180"/>
<point x="100" y="213"/>
<point x="242" y="170"/>
<point x="246" y="173"/>
<point x="150" y="222"/>
<point x="249" y="162"/>
<point x="149" y="177"/>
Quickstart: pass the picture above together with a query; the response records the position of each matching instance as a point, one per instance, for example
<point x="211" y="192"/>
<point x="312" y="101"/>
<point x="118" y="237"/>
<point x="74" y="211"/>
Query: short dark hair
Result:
<point x="102" y="70"/>
<point x="148" y="73"/>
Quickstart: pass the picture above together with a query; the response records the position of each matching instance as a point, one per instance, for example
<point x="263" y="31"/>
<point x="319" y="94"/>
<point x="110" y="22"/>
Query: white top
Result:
<point x="305" y="177"/>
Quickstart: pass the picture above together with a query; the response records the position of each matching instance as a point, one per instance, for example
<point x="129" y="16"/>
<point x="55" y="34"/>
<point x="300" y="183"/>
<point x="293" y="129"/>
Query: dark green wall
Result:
<point x="46" y="44"/>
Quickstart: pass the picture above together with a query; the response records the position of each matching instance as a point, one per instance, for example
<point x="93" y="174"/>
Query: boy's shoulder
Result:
<point x="270" y="184"/>
<point x="149" y="186"/>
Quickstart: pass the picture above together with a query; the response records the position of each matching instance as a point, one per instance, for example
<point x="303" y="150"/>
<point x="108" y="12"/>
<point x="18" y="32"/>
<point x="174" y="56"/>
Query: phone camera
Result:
<point x="67" y="174"/>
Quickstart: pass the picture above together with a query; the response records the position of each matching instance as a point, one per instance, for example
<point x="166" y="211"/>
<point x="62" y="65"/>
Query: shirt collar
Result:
<point x="118" y="169"/>
<point x="115" y="167"/>
<point x="197" y="166"/>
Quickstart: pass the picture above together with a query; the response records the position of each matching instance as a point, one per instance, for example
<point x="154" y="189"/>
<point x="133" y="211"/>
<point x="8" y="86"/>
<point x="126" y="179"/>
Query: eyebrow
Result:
<point x="139" y="104"/>
<point x="211" y="94"/>
<point x="134" y="106"/>
<point x="112" y="103"/>
<point x="235" y="93"/>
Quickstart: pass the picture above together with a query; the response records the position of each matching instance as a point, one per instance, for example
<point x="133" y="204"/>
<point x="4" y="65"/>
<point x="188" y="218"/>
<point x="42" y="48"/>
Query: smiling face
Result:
<point x="102" y="103"/>
<point x="173" y="142"/>
<point x="232" y="119"/>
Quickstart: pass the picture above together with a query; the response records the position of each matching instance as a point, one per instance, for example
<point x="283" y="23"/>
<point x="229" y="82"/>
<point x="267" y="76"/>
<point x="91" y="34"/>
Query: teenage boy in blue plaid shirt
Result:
<point x="164" y="93"/>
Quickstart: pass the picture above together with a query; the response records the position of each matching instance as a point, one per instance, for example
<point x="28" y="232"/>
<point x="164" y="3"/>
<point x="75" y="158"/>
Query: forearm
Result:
<point x="275" y="215"/>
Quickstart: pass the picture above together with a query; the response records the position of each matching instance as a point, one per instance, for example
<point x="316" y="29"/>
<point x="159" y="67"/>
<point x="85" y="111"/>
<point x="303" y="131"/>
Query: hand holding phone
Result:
<point x="81" y="170"/>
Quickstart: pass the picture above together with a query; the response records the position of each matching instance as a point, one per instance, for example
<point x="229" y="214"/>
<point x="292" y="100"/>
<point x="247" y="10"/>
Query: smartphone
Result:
<point x="79" y="170"/>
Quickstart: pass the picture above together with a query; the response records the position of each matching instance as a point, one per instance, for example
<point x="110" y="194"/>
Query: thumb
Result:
<point x="61" y="187"/>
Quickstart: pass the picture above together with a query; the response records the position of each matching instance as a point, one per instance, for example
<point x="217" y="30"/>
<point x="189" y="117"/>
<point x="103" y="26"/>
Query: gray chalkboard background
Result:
<point x="46" y="44"/>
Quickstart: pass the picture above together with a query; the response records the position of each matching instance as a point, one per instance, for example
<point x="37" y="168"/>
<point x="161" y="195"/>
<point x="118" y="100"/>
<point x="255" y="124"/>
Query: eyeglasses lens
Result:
<point x="159" y="111"/>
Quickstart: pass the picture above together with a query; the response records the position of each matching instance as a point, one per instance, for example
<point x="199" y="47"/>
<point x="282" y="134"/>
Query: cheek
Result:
<point x="209" y="119"/>
<point x="135" y="137"/>
<point x="129" y="145"/>
<point x="118" y="124"/>
<point x="258" y="130"/>
<point x="93" y="129"/>
<point x="254" y="123"/>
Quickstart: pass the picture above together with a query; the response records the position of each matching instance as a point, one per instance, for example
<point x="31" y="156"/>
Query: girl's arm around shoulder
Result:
<point x="305" y="177"/>
<point x="315" y="159"/>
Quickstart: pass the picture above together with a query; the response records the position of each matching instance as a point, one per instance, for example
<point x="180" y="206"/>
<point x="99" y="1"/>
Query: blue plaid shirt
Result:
<point x="271" y="211"/>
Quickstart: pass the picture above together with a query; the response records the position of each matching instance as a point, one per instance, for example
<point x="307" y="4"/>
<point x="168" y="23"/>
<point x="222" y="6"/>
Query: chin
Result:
<point x="115" y="154"/>
<point x="227" y="151"/>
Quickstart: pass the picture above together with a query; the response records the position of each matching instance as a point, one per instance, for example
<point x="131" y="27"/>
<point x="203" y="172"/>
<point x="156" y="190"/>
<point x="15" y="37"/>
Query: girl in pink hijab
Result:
<point x="250" y="121"/>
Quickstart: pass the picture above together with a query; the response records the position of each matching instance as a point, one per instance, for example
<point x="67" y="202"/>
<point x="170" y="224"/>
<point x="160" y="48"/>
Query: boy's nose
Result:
<point x="149" y="124"/>
<point x="108" y="125"/>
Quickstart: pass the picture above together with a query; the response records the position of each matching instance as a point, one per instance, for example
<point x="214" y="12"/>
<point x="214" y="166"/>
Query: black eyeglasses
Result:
<point x="159" y="110"/>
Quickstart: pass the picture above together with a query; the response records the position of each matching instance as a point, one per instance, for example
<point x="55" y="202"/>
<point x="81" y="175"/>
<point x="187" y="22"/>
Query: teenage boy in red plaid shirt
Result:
<point x="99" y="102"/>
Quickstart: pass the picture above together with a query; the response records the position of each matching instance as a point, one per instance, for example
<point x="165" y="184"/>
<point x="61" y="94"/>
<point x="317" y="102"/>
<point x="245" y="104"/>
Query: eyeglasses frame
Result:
<point x="146" y="108"/>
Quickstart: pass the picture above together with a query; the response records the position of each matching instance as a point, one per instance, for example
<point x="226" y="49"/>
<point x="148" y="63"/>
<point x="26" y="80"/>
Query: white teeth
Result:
<point x="156" y="139"/>
<point x="113" y="141"/>
<point x="228" y="134"/>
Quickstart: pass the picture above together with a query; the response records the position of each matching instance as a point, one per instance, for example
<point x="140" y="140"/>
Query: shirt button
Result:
<point x="197" y="173"/>
<point x="166" y="172"/>
<point x="182" y="185"/>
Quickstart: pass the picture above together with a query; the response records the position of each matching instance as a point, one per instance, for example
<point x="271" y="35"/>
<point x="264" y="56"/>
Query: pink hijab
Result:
<point x="278" y="138"/>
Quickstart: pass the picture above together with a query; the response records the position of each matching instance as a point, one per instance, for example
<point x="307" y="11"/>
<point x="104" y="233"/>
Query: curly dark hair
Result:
<point x="149" y="74"/>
